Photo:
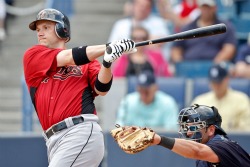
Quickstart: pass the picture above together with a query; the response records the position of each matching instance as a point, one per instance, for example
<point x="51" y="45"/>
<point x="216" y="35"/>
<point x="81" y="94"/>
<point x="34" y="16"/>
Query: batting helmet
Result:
<point x="62" y="27"/>
<point x="201" y="116"/>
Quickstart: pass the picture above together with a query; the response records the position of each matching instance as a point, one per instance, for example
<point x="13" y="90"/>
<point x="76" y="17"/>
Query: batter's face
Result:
<point x="46" y="34"/>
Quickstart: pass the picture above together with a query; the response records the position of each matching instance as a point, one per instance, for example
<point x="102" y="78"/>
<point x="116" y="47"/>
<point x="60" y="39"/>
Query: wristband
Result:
<point x="80" y="56"/>
<point x="106" y="64"/>
<point x="167" y="142"/>
<point x="103" y="87"/>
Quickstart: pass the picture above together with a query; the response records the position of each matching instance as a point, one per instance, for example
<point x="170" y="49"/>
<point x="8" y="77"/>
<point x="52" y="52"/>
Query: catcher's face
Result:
<point x="147" y="94"/>
<point x="46" y="34"/>
<point x="199" y="132"/>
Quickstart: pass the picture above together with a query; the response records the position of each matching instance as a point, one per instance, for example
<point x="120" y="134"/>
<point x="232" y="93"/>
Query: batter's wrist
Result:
<point x="106" y="64"/>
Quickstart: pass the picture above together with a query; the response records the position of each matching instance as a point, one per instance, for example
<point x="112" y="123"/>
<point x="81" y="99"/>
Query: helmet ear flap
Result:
<point x="217" y="116"/>
<point x="62" y="31"/>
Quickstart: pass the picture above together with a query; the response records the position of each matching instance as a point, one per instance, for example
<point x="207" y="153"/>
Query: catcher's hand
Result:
<point x="133" y="139"/>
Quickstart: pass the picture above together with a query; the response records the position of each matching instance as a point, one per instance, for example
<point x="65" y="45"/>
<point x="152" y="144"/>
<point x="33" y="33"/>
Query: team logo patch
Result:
<point x="66" y="72"/>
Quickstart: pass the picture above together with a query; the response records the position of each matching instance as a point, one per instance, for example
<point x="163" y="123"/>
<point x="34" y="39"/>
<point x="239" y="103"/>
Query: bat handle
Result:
<point x="108" y="50"/>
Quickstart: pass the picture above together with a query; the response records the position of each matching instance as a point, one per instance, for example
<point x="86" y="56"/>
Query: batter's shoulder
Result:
<point x="34" y="49"/>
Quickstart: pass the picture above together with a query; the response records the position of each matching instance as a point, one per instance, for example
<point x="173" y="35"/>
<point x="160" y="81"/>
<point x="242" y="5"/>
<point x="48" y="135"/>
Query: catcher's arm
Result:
<point x="187" y="148"/>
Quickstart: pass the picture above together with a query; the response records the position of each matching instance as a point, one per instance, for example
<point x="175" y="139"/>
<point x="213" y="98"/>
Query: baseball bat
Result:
<point x="190" y="34"/>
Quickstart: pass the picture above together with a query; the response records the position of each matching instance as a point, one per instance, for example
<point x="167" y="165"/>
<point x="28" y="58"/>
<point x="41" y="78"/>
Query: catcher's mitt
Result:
<point x="133" y="139"/>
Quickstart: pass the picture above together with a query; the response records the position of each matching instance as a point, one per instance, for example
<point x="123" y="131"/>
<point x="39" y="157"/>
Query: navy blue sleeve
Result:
<point x="230" y="35"/>
<point x="230" y="154"/>
<point x="243" y="54"/>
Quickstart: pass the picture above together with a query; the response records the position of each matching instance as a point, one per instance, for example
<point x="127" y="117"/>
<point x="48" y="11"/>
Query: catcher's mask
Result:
<point x="193" y="119"/>
<point x="62" y="27"/>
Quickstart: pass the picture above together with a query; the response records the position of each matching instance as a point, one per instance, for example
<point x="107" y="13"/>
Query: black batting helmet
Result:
<point x="62" y="27"/>
<point x="202" y="116"/>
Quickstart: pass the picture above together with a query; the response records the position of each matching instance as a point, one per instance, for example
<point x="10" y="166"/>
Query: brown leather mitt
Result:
<point x="133" y="139"/>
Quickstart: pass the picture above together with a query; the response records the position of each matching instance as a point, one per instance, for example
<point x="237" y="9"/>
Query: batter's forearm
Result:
<point x="80" y="55"/>
<point x="94" y="52"/>
<point x="103" y="81"/>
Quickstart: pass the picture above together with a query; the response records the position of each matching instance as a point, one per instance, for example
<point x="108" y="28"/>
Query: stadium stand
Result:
<point x="192" y="69"/>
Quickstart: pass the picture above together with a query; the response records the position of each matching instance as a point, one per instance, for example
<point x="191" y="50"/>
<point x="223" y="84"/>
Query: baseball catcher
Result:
<point x="203" y="139"/>
<point x="133" y="139"/>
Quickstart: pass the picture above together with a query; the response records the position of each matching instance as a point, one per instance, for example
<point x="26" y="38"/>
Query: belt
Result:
<point x="62" y="125"/>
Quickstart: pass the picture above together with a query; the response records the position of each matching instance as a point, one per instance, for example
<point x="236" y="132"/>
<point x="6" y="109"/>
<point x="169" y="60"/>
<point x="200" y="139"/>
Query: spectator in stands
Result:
<point x="217" y="48"/>
<point x="233" y="105"/>
<point x="148" y="106"/>
<point x="146" y="58"/>
<point x="180" y="14"/>
<point x="2" y="20"/>
<point x="141" y="16"/>
<point x="128" y="8"/>
<point x="242" y="61"/>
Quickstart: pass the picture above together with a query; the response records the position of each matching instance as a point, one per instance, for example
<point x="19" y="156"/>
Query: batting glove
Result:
<point x="128" y="45"/>
<point x="112" y="52"/>
<point x="115" y="49"/>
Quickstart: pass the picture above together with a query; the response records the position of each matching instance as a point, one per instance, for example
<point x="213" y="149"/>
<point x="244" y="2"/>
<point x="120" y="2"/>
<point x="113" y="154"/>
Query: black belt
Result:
<point x="62" y="125"/>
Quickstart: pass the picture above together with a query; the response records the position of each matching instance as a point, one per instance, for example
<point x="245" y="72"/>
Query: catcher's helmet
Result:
<point x="62" y="27"/>
<point x="202" y="116"/>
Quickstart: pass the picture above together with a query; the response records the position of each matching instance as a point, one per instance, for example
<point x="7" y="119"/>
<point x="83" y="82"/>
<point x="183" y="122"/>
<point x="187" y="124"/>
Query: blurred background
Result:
<point x="92" y="21"/>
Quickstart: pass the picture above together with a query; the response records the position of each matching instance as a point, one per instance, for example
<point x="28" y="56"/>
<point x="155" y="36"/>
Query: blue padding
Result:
<point x="226" y="10"/>
<point x="242" y="85"/>
<point x="30" y="151"/>
<point x="176" y="87"/>
<point x="23" y="152"/>
<point x="244" y="7"/>
<point x="200" y="86"/>
<point x="192" y="69"/>
<point x="242" y="27"/>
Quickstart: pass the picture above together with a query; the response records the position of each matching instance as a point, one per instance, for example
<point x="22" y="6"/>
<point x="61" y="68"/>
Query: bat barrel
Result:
<point x="190" y="34"/>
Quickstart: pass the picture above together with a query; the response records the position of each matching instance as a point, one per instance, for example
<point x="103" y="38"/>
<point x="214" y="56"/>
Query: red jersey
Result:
<point x="58" y="92"/>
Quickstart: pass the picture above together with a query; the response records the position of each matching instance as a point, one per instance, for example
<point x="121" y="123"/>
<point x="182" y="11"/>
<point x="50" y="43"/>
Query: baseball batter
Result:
<point x="63" y="84"/>
<point x="207" y="141"/>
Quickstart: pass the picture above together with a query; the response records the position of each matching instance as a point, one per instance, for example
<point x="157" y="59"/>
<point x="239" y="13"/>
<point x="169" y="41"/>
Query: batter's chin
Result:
<point x="43" y="43"/>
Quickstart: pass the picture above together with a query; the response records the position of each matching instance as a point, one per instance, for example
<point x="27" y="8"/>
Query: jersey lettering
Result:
<point x="69" y="71"/>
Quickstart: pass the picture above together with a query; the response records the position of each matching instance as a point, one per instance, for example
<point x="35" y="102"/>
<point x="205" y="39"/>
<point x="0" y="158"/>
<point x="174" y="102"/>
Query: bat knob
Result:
<point x="108" y="50"/>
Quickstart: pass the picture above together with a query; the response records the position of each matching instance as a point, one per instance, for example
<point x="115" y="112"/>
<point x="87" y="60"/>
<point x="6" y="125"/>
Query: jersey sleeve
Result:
<point x="229" y="153"/>
<point x="37" y="62"/>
